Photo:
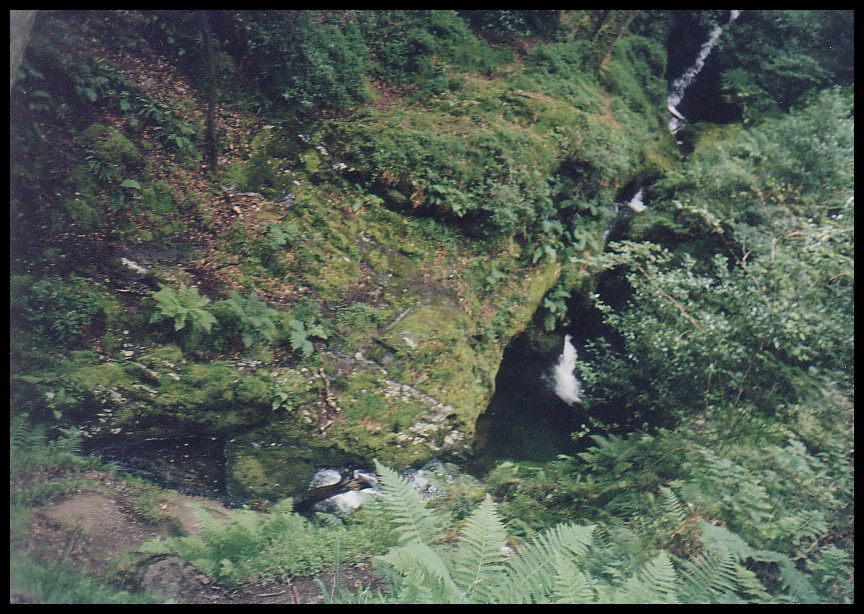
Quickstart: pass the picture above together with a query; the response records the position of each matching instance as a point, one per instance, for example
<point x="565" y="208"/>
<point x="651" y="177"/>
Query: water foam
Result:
<point x="680" y="85"/>
<point x="567" y="386"/>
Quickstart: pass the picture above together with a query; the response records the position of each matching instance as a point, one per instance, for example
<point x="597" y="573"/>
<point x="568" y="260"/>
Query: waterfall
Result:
<point x="636" y="203"/>
<point x="680" y="85"/>
<point x="622" y="211"/>
<point x="567" y="387"/>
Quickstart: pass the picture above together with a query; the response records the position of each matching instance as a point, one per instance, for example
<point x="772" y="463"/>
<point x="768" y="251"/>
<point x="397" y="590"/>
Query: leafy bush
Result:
<point x="110" y="155"/>
<point x="418" y="47"/>
<point x="60" y="308"/>
<point x="741" y="320"/>
<point x="770" y="60"/>
<point x="509" y="24"/>
<point x="298" y="59"/>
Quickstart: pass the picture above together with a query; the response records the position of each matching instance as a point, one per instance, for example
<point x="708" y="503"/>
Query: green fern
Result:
<point x="572" y="585"/>
<point x="30" y="449"/>
<point x="722" y="574"/>
<point x="256" y="322"/>
<point x="710" y="578"/>
<point x="185" y="306"/>
<point x="656" y="582"/>
<point x="414" y="521"/>
<point x="479" y="558"/>
<point x="530" y="575"/>
<point x="299" y="334"/>
<point x="426" y="575"/>
<point x="673" y="508"/>
<point x="555" y="566"/>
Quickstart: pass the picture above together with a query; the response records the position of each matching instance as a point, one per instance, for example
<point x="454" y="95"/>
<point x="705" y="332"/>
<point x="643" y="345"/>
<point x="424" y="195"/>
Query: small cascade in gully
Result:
<point x="567" y="386"/>
<point x="623" y="211"/>
<point x="680" y="85"/>
<point x="536" y="406"/>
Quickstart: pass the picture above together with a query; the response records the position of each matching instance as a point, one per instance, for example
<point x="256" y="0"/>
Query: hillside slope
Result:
<point x="382" y="256"/>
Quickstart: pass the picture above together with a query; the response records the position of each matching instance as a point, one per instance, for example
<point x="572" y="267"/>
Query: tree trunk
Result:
<point x="610" y="31"/>
<point x="20" y="23"/>
<point x="211" y="150"/>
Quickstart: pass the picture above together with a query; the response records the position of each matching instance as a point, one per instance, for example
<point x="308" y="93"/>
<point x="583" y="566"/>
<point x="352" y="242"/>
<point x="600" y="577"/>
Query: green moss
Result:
<point x="158" y="198"/>
<point x="112" y="156"/>
<point x="249" y="478"/>
<point x="278" y="461"/>
<point x="166" y="355"/>
<point x="82" y="215"/>
<point x="106" y="375"/>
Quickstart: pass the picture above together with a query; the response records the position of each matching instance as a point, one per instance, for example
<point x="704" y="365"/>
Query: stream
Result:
<point x="531" y="417"/>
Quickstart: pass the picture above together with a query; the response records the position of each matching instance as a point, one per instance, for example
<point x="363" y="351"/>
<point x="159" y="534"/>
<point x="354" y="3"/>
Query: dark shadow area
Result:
<point x="525" y="420"/>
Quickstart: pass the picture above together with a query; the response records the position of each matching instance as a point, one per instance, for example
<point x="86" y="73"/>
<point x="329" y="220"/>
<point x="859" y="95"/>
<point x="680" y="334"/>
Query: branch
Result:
<point x="675" y="303"/>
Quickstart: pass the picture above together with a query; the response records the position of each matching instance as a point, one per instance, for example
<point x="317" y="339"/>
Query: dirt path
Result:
<point x="94" y="530"/>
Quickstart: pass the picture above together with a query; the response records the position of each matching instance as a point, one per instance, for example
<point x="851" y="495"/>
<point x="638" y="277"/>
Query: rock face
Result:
<point x="412" y="392"/>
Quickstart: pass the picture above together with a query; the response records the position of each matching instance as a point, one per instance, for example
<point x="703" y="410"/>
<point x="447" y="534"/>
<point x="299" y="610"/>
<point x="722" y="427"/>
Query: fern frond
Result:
<point x="798" y="585"/>
<point x="712" y="578"/>
<point x="571" y="584"/>
<point x="156" y="546"/>
<point x="673" y="508"/>
<point x="530" y="575"/>
<point x="414" y="520"/>
<point x="479" y="558"/>
<point x="424" y="571"/>
<point x="656" y="582"/>
<point x="22" y="436"/>
<point x="721" y="541"/>
<point x="748" y="584"/>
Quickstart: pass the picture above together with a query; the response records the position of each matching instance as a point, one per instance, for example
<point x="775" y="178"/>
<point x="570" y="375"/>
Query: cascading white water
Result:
<point x="619" y="213"/>
<point x="567" y="386"/>
<point x="343" y="503"/>
<point x="636" y="203"/>
<point x="680" y="85"/>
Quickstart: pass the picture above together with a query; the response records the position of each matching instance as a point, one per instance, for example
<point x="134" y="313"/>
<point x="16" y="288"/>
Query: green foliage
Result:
<point x="185" y="306"/>
<point x="110" y="156"/>
<point x="770" y="60"/>
<point x="300" y="60"/>
<point x="304" y="323"/>
<point x="158" y="197"/>
<point x="252" y="319"/>
<point x="270" y="546"/>
<point x="737" y="332"/>
<point x="418" y="47"/>
<point x="60" y="309"/>
<point x="570" y="563"/>
<point x="413" y="520"/>
<point x="30" y="449"/>
<point x="39" y="583"/>
<point x="744" y="325"/>
<point x="498" y="25"/>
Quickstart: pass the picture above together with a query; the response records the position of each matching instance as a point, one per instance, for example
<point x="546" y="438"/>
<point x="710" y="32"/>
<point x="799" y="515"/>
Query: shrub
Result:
<point x="60" y="308"/>
<point x="298" y="59"/>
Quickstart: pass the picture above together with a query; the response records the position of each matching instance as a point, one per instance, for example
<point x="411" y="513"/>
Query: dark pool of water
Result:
<point x="191" y="465"/>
